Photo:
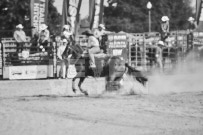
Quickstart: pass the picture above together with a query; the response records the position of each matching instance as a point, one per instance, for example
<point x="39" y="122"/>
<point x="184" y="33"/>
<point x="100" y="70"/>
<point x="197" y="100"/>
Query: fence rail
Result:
<point x="142" y="51"/>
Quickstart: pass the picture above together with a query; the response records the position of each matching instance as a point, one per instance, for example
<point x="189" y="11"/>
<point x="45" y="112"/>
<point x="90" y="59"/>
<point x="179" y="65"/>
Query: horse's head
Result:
<point x="116" y="66"/>
<point x="73" y="49"/>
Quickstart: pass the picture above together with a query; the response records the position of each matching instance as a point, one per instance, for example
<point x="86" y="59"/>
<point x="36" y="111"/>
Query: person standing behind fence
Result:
<point x="67" y="33"/>
<point x="159" y="54"/>
<point x="164" y="28"/>
<point x="43" y="37"/>
<point x="191" y="27"/>
<point x="98" y="33"/>
<point x="63" y="62"/>
<point x="20" y="37"/>
<point x="34" y="40"/>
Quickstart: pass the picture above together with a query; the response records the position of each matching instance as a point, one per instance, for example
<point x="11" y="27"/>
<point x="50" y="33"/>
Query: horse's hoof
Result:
<point x="74" y="90"/>
<point x="85" y="92"/>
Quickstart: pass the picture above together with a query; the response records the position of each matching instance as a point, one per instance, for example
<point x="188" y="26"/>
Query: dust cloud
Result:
<point x="187" y="76"/>
<point x="132" y="87"/>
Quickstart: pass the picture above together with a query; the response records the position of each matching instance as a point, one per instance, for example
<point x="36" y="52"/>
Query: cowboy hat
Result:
<point x="65" y="41"/>
<point x="191" y="19"/>
<point x="87" y="32"/>
<point x="20" y="26"/>
<point x="164" y="18"/>
<point x="43" y="27"/>
<point x="102" y="26"/>
<point x="66" y="27"/>
<point x="161" y="43"/>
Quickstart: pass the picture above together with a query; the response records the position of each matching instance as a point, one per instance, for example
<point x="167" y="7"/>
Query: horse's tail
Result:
<point x="136" y="73"/>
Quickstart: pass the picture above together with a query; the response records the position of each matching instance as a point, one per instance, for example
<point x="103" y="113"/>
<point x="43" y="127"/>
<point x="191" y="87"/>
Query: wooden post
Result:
<point x="144" y="53"/>
<point x="54" y="60"/>
<point x="129" y="54"/>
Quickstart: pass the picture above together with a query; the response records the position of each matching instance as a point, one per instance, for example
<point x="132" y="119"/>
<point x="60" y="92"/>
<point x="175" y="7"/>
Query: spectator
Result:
<point x="63" y="62"/>
<point x="44" y="36"/>
<point x="34" y="40"/>
<point x="159" y="54"/>
<point x="164" y="28"/>
<point x="20" y="37"/>
<point x="93" y="47"/>
<point x="191" y="25"/>
<point x="67" y="33"/>
<point x="98" y="33"/>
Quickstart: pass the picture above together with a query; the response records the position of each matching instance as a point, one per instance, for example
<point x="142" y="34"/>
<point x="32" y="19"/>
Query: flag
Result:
<point x="71" y="13"/>
<point x="96" y="13"/>
<point x="39" y="12"/>
<point x="199" y="14"/>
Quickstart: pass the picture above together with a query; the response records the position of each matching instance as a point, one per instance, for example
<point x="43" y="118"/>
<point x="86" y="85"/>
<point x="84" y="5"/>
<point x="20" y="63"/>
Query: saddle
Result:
<point x="83" y="53"/>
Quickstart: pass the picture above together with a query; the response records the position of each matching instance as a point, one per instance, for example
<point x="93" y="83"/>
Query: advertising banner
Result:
<point x="117" y="45"/>
<point x="96" y="13"/>
<point x="39" y="12"/>
<point x="70" y="14"/>
<point x="199" y="14"/>
<point x="27" y="72"/>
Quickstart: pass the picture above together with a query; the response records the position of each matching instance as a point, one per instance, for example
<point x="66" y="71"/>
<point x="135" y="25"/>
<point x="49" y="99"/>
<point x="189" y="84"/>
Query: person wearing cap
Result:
<point x="44" y="36"/>
<point x="164" y="28"/>
<point x="20" y="37"/>
<point x="93" y="47"/>
<point x="63" y="62"/>
<point x="67" y="32"/>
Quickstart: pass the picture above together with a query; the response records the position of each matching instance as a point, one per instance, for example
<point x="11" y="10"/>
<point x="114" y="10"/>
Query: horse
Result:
<point x="112" y="68"/>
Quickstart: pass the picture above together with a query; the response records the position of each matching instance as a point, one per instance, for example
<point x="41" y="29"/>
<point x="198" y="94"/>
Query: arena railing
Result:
<point x="28" y="55"/>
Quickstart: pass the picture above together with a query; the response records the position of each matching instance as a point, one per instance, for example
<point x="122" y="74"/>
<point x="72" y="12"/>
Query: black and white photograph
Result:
<point x="101" y="67"/>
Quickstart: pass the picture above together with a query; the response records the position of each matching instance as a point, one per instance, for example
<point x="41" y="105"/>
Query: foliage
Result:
<point x="54" y="19"/>
<point x="132" y="15"/>
<point x="14" y="12"/>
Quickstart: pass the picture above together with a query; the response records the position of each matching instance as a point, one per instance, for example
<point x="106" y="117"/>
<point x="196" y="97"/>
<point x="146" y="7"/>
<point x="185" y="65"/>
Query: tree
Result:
<point x="54" y="19"/>
<point x="13" y="12"/>
<point x="132" y="15"/>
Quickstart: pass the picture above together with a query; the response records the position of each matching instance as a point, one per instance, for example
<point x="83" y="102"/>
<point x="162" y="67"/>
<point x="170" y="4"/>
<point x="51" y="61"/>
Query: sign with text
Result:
<point x="117" y="45"/>
<point x="117" y="41"/>
<point x="28" y="72"/>
<point x="96" y="12"/>
<point x="70" y="14"/>
<point x="39" y="12"/>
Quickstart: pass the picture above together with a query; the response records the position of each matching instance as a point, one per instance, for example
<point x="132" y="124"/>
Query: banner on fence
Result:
<point x="117" y="45"/>
<point x="27" y="72"/>
<point x="70" y="14"/>
<point x="96" y="13"/>
<point x="39" y="12"/>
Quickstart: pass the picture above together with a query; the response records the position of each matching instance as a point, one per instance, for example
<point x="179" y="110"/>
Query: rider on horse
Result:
<point x="92" y="47"/>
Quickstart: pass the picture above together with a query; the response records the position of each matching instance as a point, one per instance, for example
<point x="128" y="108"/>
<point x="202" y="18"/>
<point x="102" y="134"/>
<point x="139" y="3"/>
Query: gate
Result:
<point x="27" y="62"/>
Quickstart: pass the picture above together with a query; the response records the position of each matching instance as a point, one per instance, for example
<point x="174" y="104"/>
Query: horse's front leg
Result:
<point x="73" y="85"/>
<point x="80" y="86"/>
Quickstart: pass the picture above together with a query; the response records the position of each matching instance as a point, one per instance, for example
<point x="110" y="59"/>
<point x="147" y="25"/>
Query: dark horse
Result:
<point x="111" y="67"/>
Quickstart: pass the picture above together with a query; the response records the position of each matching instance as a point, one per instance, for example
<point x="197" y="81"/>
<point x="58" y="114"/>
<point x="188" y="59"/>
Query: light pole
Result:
<point x="149" y="6"/>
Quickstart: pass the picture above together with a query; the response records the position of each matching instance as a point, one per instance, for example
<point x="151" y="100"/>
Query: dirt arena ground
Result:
<point x="48" y="107"/>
